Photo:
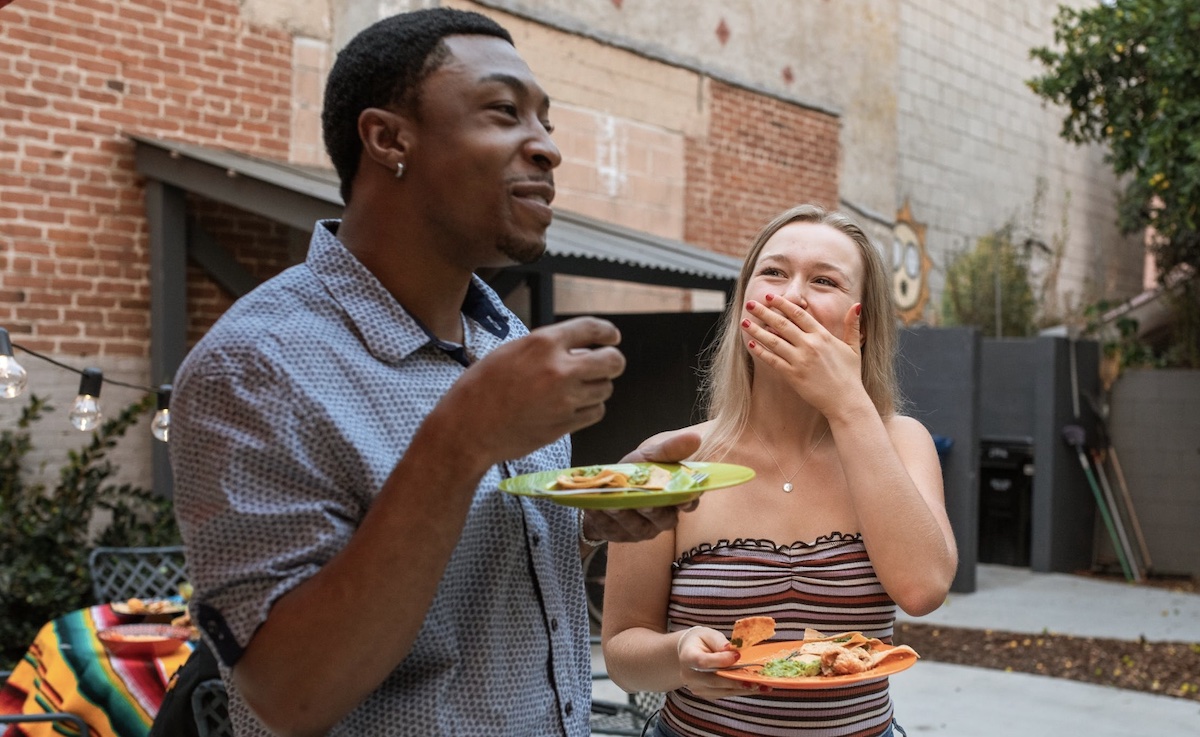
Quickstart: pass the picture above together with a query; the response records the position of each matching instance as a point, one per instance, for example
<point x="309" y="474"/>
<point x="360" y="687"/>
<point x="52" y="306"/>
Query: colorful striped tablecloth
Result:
<point x="67" y="669"/>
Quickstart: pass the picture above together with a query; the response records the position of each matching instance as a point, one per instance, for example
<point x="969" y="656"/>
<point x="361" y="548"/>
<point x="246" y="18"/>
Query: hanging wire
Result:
<point x="62" y="365"/>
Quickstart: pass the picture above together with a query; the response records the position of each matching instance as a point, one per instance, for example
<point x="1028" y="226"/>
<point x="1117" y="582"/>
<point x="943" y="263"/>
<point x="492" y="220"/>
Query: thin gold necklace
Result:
<point x="787" y="480"/>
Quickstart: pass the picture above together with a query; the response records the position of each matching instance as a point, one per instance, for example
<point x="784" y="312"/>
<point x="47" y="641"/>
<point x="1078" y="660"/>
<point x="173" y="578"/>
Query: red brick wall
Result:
<point x="74" y="76"/>
<point x="761" y="156"/>
<point x="258" y="244"/>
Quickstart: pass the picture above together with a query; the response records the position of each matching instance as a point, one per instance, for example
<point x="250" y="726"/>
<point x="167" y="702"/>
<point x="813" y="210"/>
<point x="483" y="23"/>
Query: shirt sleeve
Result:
<point x="259" y="510"/>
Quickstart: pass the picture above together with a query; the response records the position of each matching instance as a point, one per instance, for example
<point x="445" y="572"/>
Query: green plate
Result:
<point x="680" y="489"/>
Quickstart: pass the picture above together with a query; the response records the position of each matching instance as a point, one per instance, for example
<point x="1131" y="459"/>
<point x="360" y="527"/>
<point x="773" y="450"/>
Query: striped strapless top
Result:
<point x="828" y="585"/>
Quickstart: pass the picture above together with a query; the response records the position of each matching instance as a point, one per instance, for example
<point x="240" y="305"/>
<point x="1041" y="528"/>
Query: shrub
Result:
<point x="988" y="288"/>
<point x="45" y="535"/>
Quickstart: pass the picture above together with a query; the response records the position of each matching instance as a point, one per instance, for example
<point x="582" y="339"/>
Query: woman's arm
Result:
<point x="895" y="484"/>
<point x="638" y="652"/>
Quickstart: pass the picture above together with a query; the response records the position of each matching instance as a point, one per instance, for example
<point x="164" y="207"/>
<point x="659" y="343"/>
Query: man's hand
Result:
<point x="532" y="391"/>
<point x="633" y="525"/>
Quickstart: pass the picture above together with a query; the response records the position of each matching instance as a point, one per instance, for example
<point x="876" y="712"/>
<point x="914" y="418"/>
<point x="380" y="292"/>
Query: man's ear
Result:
<point x="384" y="136"/>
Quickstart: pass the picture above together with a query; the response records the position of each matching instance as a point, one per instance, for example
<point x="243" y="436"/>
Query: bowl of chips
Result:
<point x="143" y="640"/>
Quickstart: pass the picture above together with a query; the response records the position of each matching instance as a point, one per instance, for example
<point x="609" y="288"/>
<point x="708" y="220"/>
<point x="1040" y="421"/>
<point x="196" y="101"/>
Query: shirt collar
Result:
<point x="377" y="314"/>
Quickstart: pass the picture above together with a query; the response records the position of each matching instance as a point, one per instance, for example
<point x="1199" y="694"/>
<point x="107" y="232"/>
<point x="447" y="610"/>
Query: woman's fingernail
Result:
<point x="770" y="297"/>
<point x="745" y="323"/>
<point x="753" y="344"/>
<point x="751" y="305"/>
<point x="858" y="309"/>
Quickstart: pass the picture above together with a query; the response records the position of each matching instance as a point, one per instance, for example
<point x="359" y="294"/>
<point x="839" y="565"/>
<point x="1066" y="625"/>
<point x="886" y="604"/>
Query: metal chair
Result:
<point x="146" y="573"/>
<point x="629" y="718"/>
<point x="210" y="704"/>
<point x="621" y="718"/>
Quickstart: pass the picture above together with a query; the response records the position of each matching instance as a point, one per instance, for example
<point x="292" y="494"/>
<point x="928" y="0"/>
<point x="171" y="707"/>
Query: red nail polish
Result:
<point x="770" y="297"/>
<point x="745" y="323"/>
<point x="753" y="344"/>
<point x="751" y="305"/>
<point x="858" y="310"/>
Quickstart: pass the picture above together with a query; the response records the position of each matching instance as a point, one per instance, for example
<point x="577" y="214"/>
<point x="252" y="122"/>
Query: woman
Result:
<point x="844" y="521"/>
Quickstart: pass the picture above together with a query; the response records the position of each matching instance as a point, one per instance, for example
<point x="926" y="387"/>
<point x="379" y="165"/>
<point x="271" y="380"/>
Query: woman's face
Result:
<point x="815" y="266"/>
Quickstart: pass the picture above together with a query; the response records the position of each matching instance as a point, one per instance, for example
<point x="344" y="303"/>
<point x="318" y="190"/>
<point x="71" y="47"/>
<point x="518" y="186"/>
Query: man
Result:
<point x="340" y="434"/>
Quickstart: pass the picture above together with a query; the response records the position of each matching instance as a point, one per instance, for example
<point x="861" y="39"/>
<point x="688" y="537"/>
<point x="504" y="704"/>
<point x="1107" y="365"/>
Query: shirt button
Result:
<point x="569" y="708"/>
<point x="554" y="624"/>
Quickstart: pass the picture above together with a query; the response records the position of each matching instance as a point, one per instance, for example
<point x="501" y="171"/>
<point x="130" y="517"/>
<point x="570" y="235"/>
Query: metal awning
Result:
<point x="298" y="196"/>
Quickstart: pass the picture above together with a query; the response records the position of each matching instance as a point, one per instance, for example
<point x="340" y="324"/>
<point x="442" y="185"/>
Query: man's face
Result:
<point x="481" y="159"/>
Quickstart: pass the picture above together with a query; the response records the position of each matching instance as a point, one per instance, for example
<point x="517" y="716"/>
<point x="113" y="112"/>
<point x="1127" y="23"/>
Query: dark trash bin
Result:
<point x="943" y="445"/>
<point x="1005" y="500"/>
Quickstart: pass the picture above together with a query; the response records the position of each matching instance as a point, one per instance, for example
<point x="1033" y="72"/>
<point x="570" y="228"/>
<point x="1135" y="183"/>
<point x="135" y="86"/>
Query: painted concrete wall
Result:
<point x="940" y="372"/>
<point x="1155" y="423"/>
<point x="53" y="436"/>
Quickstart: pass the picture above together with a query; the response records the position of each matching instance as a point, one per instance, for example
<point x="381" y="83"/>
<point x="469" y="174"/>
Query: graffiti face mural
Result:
<point x="910" y="267"/>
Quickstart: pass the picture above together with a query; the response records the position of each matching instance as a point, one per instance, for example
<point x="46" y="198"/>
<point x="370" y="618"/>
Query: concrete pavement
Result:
<point x="939" y="699"/>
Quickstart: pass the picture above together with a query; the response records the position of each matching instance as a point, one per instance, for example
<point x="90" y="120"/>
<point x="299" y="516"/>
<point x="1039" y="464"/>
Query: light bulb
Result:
<point x="12" y="375"/>
<point x="85" y="412"/>
<point x="160" y="426"/>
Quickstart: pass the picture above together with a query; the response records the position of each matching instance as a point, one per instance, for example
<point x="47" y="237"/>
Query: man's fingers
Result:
<point x="634" y="525"/>
<point x="585" y="332"/>
<point x="671" y="449"/>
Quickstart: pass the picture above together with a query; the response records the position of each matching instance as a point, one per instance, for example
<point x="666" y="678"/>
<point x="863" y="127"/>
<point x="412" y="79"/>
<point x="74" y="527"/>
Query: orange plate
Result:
<point x="772" y="650"/>
<point x="166" y="640"/>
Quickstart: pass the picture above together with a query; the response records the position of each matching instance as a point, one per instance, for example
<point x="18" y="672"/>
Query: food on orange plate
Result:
<point x="751" y="631"/>
<point x="848" y="653"/>
<point x="650" y="478"/>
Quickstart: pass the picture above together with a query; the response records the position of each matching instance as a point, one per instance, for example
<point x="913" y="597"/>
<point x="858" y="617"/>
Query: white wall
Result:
<point x="976" y="145"/>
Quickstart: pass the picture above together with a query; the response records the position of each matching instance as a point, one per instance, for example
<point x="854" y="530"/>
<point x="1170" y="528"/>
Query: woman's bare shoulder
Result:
<point x="903" y="427"/>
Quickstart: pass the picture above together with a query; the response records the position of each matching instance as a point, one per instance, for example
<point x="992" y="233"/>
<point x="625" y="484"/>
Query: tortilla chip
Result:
<point x="659" y="477"/>
<point x="606" y="478"/>
<point x="751" y="631"/>
<point x="882" y="656"/>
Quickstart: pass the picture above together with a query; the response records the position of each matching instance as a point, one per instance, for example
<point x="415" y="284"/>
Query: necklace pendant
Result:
<point x="787" y="487"/>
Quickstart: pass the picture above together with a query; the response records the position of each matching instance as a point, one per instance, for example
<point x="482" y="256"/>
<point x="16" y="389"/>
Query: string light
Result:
<point x="160" y="426"/>
<point x="12" y="376"/>
<point x="85" y="411"/>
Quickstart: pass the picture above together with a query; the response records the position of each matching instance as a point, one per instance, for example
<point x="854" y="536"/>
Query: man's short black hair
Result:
<point x="384" y="65"/>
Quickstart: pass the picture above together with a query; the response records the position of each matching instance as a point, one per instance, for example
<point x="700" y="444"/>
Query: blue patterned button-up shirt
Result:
<point x="287" y="417"/>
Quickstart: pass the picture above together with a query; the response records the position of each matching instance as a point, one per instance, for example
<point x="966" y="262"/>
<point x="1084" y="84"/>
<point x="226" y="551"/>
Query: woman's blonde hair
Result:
<point x="730" y="371"/>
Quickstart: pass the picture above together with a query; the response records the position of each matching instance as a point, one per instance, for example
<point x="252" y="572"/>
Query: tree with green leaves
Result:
<point x="1128" y="72"/>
